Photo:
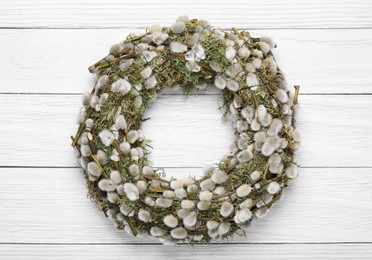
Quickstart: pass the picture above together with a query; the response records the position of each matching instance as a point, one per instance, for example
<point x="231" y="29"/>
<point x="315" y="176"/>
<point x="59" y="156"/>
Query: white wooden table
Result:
<point x="45" y="49"/>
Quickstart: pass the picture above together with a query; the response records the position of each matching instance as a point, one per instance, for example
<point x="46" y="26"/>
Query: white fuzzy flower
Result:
<point x="220" y="82"/>
<point x="178" y="27"/>
<point x="219" y="176"/>
<point x="247" y="204"/>
<point x="226" y="209"/>
<point x="187" y="204"/>
<point x="261" y="112"/>
<point x="291" y="171"/>
<point x="207" y="170"/>
<point x="120" y="122"/>
<point x="250" y="68"/>
<point x="190" y="219"/>
<point x="244" y="52"/>
<point x="180" y="193"/>
<point x="182" y="213"/>
<point x="149" y="55"/>
<point x="257" y="53"/>
<point x="255" y="175"/>
<point x="112" y="197"/>
<point x="134" y="170"/>
<point x="273" y="187"/>
<point x="160" y="38"/>
<point x="215" y="66"/>
<point x="149" y="201"/>
<point x="257" y="63"/>
<point x="275" y="162"/>
<point x="101" y="155"/>
<point x="232" y="85"/>
<point x="177" y="47"/>
<point x="115" y="177"/>
<point x="205" y="195"/>
<point x="102" y="81"/>
<point x="176" y="184"/>
<point x="266" y="121"/>
<point x="106" y="185"/>
<point x="134" y="154"/>
<point x="241" y="126"/>
<point x="207" y="184"/>
<point x="93" y="101"/>
<point x="122" y="86"/>
<point x="132" y="136"/>
<point x="281" y="95"/>
<point x="252" y="80"/>
<point x="192" y="66"/>
<point x="192" y="188"/>
<point x="242" y="143"/>
<point x="264" y="201"/>
<point x="212" y="225"/>
<point x="204" y="205"/>
<point x="242" y="216"/>
<point x="164" y="202"/>
<point x="137" y="101"/>
<point x="170" y="221"/>
<point x="296" y="135"/>
<point x="85" y="150"/>
<point x="125" y="147"/>
<point x="157" y="231"/>
<point x="151" y="82"/>
<point x="147" y="170"/>
<point x="126" y="210"/>
<point x="243" y="190"/>
<point x="107" y="137"/>
<point x="146" y="72"/>
<point x="169" y="194"/>
<point x="144" y="215"/>
<point x="144" y="46"/>
<point x="142" y="186"/>
<point x="156" y="28"/>
<point x="244" y="156"/>
<point x="179" y="233"/>
<point x="230" y="53"/>
<point x="125" y="64"/>
<point x="271" y="144"/>
<point x="219" y="190"/>
<point x="259" y="137"/>
<point x="224" y="228"/>
<point x="248" y="113"/>
<point x="93" y="171"/>
<point x="131" y="191"/>
<point x="275" y="127"/>
<point x="265" y="48"/>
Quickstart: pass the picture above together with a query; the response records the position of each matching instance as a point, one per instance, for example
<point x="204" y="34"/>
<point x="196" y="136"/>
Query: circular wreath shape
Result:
<point x="191" y="55"/>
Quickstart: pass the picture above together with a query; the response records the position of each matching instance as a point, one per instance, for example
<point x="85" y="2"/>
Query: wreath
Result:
<point x="191" y="55"/>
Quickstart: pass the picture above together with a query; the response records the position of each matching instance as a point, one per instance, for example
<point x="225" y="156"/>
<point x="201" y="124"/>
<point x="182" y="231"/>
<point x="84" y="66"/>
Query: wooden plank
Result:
<point x="36" y="130"/>
<point x="240" y="13"/>
<point x="50" y="206"/>
<point x="56" y="61"/>
<point x="280" y="252"/>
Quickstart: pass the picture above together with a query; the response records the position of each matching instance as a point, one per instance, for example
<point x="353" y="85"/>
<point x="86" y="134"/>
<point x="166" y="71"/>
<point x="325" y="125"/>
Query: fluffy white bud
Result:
<point x="131" y="191"/>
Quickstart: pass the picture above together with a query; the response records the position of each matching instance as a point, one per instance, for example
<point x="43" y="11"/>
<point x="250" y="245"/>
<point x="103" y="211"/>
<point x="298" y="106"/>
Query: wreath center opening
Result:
<point x="187" y="133"/>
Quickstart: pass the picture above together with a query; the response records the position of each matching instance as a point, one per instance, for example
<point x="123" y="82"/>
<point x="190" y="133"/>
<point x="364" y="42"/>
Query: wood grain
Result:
<point x="240" y="13"/>
<point x="56" y="61"/>
<point x="280" y="252"/>
<point x="50" y="206"/>
<point x="335" y="130"/>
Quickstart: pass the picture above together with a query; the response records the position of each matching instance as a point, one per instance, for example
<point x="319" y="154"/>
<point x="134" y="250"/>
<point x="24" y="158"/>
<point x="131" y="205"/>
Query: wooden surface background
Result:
<point x="45" y="49"/>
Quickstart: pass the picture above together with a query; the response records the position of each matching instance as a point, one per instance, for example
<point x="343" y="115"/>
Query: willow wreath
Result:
<point x="191" y="54"/>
